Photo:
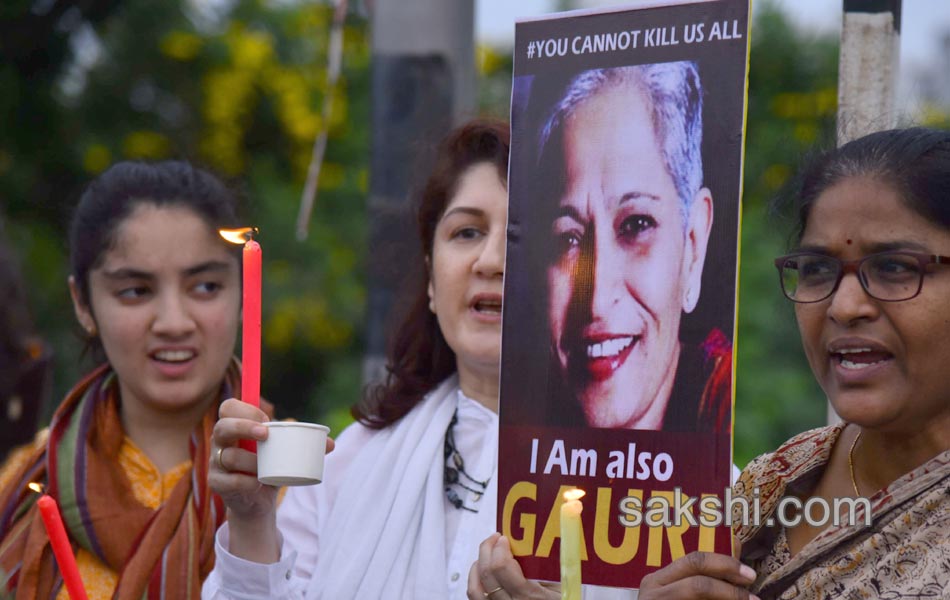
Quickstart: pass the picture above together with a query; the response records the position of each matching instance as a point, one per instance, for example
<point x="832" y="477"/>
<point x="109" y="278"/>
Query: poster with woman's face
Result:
<point x="620" y="280"/>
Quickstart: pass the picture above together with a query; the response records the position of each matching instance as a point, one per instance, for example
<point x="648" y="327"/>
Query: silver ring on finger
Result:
<point x="219" y="459"/>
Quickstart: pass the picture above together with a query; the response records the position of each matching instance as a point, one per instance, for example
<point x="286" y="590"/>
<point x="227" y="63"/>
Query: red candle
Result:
<point x="63" y="551"/>
<point x="251" y="337"/>
<point x="251" y="333"/>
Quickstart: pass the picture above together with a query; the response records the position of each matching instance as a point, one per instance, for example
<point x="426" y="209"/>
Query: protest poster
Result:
<point x="620" y="283"/>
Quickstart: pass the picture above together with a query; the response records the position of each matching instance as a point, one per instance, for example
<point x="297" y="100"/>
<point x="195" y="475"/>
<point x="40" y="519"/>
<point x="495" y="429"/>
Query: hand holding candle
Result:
<point x="59" y="541"/>
<point x="280" y="461"/>
<point x="571" y="540"/>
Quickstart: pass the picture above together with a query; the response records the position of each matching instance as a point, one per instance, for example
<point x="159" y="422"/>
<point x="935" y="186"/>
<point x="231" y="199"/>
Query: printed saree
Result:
<point x="903" y="553"/>
<point x="162" y="553"/>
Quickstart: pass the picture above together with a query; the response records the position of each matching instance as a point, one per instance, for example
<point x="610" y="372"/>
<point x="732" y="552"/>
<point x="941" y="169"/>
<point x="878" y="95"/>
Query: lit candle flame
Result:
<point x="36" y="487"/>
<point x="238" y="236"/>
<point x="575" y="494"/>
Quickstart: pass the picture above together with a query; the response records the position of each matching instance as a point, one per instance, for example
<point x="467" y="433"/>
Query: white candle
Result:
<point x="571" y="533"/>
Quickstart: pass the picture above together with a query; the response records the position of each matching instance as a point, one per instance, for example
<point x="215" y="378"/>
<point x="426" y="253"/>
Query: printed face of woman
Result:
<point x="466" y="271"/>
<point x="165" y="299"/>
<point x="882" y="365"/>
<point x="626" y="263"/>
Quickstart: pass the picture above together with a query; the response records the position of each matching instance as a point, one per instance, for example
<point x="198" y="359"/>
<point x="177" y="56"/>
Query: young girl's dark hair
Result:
<point x="419" y="357"/>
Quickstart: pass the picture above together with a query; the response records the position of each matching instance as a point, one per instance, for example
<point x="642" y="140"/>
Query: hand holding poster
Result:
<point x="620" y="284"/>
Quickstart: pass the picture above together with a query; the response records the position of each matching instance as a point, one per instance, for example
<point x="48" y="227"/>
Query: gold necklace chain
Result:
<point x="854" y="482"/>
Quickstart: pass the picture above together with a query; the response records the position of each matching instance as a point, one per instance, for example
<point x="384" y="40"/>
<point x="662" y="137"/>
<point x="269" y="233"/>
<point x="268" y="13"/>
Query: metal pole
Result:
<point x="423" y="81"/>
<point x="867" y="74"/>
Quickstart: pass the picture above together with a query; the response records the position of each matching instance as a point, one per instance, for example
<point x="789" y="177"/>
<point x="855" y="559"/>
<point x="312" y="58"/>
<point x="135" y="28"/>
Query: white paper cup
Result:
<point x="292" y="454"/>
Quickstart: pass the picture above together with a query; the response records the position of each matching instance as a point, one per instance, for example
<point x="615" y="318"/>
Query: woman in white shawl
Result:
<point x="410" y="490"/>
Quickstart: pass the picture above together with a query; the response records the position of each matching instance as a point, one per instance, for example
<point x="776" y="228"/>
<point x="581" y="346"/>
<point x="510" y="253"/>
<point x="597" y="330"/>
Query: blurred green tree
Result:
<point x="792" y="105"/>
<point x="234" y="86"/>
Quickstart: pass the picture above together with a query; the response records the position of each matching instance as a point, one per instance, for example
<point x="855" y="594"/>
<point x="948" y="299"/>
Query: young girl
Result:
<point x="157" y="292"/>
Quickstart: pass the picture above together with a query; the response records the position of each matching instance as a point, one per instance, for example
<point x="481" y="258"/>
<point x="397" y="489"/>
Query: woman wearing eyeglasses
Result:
<point x="870" y="281"/>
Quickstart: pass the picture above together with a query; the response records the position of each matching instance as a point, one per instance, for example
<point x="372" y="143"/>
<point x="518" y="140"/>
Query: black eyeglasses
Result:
<point x="888" y="276"/>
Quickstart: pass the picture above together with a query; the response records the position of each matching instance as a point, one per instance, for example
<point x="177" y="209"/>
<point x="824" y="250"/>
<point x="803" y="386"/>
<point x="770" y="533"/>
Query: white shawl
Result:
<point x="385" y="535"/>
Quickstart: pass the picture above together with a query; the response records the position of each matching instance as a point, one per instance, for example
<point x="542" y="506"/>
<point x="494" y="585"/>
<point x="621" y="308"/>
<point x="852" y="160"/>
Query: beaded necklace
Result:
<point x="455" y="473"/>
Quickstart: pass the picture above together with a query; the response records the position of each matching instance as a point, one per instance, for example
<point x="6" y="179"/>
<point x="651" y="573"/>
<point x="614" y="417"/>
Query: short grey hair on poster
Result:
<point x="675" y="96"/>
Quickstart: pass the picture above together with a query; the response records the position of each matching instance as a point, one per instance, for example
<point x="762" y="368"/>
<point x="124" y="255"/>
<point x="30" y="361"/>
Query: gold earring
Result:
<point x="91" y="330"/>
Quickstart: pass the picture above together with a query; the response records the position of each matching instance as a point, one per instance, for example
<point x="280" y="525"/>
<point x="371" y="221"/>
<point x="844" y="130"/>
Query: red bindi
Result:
<point x="849" y="242"/>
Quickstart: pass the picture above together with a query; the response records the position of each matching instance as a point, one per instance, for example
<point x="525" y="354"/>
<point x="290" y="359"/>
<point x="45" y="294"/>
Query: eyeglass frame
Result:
<point x="854" y="266"/>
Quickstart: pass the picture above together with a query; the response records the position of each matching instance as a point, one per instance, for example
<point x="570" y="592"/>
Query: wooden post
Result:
<point x="867" y="67"/>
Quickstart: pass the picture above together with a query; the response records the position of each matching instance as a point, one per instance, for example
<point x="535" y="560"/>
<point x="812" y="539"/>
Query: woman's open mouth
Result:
<point x="173" y="362"/>
<point x="857" y="361"/>
<point x="487" y="307"/>
<point x="860" y="358"/>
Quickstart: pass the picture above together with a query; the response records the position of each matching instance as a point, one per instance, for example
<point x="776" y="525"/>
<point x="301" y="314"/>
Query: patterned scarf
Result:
<point x="163" y="553"/>
<point x="903" y="553"/>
